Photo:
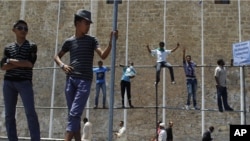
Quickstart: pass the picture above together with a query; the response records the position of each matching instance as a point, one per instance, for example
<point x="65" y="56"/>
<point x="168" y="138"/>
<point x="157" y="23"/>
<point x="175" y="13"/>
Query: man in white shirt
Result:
<point x="220" y="75"/>
<point x="87" y="130"/>
<point x="121" y="134"/>
<point x="161" y="55"/>
<point x="163" y="134"/>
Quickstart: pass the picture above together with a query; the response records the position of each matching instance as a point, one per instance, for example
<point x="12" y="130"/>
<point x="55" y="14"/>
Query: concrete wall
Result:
<point x="146" y="25"/>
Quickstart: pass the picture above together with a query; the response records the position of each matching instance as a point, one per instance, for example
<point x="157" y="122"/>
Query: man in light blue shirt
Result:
<point x="100" y="83"/>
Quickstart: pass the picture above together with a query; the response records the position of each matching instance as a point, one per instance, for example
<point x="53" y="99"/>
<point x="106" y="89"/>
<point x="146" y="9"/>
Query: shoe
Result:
<point x="220" y="110"/>
<point x="173" y="82"/>
<point x="131" y="106"/>
<point x="229" y="109"/>
<point x="187" y="107"/>
<point x="196" y="108"/>
<point x="156" y="83"/>
<point x="123" y="106"/>
<point x="95" y="107"/>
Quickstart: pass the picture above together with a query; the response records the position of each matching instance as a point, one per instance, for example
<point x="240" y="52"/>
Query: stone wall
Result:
<point x="146" y="26"/>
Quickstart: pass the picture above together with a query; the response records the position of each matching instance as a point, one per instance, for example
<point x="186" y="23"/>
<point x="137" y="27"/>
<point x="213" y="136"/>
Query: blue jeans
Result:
<point x="11" y="89"/>
<point x="77" y="93"/>
<point x="159" y="65"/>
<point x="191" y="89"/>
<point x="98" y="87"/>
<point x="222" y="93"/>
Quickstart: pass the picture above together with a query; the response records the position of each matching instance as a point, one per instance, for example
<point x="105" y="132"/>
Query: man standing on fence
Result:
<point x="191" y="81"/>
<point x="220" y="76"/>
<point x="100" y="72"/>
<point x="80" y="70"/>
<point x="161" y="55"/>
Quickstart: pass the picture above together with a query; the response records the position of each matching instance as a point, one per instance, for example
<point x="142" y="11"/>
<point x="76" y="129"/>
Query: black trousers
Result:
<point x="125" y="85"/>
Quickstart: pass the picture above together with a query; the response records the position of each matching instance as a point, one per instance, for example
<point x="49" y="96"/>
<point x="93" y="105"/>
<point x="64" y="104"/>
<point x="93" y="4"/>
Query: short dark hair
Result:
<point x="19" y="22"/>
<point x="121" y="122"/>
<point x="161" y="44"/>
<point x="211" y="128"/>
<point x="188" y="56"/>
<point x="85" y="119"/>
<point x="219" y="61"/>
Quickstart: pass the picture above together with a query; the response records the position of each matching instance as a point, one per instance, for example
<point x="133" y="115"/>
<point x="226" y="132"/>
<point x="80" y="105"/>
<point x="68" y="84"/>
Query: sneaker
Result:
<point x="173" y="82"/>
<point x="196" y="108"/>
<point x="131" y="106"/>
<point x="229" y="109"/>
<point x="187" y="107"/>
<point x="156" y="83"/>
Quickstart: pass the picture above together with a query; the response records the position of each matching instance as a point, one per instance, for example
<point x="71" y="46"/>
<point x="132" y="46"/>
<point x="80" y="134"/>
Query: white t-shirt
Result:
<point x="87" y="132"/>
<point x="162" y="135"/>
<point x="121" y="135"/>
<point x="221" y="74"/>
<point x="161" y="55"/>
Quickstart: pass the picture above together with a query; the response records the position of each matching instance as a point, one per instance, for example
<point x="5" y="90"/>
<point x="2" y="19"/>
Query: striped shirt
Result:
<point x="25" y="52"/>
<point x="189" y="68"/>
<point x="81" y="55"/>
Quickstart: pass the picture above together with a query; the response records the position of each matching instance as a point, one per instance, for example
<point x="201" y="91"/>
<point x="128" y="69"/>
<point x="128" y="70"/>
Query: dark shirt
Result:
<point x="169" y="134"/>
<point x="189" y="69"/>
<point x="28" y="52"/>
<point x="81" y="55"/>
<point x="207" y="136"/>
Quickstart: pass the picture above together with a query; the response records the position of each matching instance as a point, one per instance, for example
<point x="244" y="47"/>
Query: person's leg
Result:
<point x="219" y="102"/>
<point x="123" y="92"/>
<point x="194" y="88"/>
<point x="189" y="93"/>
<point x="82" y="91"/>
<point x="98" y="85"/>
<point x="128" y="87"/>
<point x="27" y="95"/>
<point x="104" y="95"/>
<point x="10" y="95"/>
<point x="68" y="136"/>
<point x="171" y="71"/>
<point x="158" y="72"/>
<point x="225" y="102"/>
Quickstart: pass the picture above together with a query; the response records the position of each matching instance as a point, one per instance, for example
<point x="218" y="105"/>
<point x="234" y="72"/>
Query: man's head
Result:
<point x="82" y="20"/>
<point x="85" y="120"/>
<point x="220" y="62"/>
<point x="211" y="129"/>
<point x="170" y="124"/>
<point x="100" y="63"/>
<point x="20" y="28"/>
<point x="161" y="44"/>
<point x="130" y="63"/>
<point x="162" y="125"/>
<point x="188" y="58"/>
<point x="121" y="123"/>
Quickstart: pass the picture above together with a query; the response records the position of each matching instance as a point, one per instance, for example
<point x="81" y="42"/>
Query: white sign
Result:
<point x="241" y="53"/>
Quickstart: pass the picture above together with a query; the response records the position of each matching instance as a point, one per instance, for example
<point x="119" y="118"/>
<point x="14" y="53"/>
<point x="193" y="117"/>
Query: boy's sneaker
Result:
<point x="196" y="108"/>
<point x="187" y="107"/>
<point x="173" y="82"/>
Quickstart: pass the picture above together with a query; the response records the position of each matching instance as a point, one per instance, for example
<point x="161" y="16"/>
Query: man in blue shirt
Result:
<point x="100" y="83"/>
<point x="191" y="81"/>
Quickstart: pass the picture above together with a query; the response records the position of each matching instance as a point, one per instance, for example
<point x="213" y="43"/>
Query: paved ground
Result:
<point x="2" y="138"/>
